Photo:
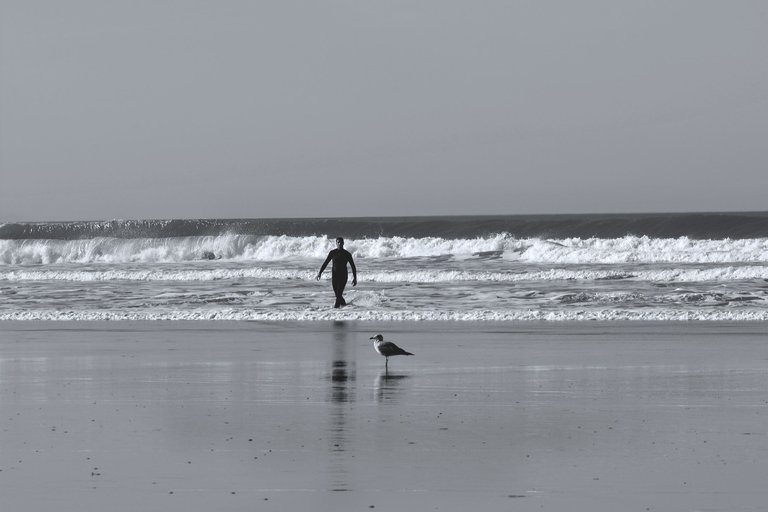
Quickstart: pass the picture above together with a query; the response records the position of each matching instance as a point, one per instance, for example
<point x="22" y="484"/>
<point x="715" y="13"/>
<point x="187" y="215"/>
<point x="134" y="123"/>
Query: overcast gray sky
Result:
<point x="235" y="108"/>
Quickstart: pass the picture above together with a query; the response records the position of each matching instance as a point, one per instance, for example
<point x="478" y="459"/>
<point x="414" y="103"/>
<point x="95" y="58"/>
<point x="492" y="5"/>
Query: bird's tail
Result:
<point x="407" y="353"/>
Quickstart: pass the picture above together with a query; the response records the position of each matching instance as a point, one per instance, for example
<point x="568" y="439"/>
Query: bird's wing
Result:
<point x="392" y="349"/>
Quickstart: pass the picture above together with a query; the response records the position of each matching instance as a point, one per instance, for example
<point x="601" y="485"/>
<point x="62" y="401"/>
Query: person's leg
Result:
<point x="339" y="280"/>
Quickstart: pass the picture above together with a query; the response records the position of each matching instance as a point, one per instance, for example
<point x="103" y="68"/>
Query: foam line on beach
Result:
<point x="657" y="315"/>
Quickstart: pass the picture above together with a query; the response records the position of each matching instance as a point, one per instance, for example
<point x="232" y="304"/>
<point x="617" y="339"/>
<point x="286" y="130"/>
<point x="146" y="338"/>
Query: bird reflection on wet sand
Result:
<point x="388" y="386"/>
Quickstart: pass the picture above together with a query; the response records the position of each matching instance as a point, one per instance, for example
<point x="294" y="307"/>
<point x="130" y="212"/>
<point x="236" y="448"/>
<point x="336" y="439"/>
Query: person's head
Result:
<point x="339" y="242"/>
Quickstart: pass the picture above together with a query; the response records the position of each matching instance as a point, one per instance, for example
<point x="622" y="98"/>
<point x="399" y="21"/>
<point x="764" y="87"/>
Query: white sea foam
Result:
<point x="632" y="249"/>
<point x="661" y="315"/>
<point x="663" y="275"/>
<point x="153" y="275"/>
<point x="629" y="249"/>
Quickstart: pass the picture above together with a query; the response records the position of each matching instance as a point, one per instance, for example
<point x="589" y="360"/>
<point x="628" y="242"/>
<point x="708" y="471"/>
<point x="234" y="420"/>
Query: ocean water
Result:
<point x="661" y="267"/>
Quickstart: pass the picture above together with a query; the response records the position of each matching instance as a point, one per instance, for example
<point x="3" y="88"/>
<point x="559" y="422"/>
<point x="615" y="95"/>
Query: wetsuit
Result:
<point x="339" y="276"/>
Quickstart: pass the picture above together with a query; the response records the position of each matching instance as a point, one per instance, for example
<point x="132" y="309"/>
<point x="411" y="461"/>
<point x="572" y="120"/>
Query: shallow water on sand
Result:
<point x="237" y="416"/>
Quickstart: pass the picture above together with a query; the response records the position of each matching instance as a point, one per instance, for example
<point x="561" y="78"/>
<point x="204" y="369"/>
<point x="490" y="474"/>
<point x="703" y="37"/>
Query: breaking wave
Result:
<point x="251" y="248"/>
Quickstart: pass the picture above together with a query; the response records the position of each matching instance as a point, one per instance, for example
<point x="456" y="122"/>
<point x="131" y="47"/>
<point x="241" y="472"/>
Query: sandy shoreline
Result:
<point x="272" y="416"/>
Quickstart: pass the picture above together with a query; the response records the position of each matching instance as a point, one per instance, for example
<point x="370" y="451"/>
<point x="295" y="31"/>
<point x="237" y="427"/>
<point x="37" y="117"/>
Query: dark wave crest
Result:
<point x="657" y="225"/>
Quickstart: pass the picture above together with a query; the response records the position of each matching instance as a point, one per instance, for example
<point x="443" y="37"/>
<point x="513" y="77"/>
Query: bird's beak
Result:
<point x="372" y="338"/>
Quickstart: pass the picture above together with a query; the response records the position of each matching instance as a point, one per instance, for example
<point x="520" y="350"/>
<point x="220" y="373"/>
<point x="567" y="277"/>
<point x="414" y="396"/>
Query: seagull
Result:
<point x="387" y="348"/>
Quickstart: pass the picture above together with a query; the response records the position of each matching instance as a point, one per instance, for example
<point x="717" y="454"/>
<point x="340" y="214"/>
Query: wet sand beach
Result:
<point x="126" y="416"/>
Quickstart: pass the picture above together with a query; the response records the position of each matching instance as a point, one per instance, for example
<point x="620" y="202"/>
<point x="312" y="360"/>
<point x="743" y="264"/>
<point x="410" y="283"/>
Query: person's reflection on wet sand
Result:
<point x="342" y="396"/>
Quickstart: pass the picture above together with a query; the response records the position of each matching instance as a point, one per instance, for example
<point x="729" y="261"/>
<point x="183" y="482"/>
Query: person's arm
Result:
<point x="354" y="270"/>
<point x="325" y="264"/>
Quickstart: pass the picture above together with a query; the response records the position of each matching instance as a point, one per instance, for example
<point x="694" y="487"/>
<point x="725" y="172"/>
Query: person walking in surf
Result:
<point x="340" y="258"/>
